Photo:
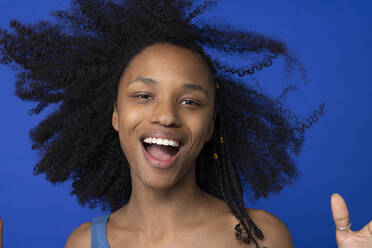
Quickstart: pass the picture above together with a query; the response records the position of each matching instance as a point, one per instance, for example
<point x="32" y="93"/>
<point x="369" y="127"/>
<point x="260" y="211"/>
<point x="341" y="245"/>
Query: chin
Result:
<point x="158" y="179"/>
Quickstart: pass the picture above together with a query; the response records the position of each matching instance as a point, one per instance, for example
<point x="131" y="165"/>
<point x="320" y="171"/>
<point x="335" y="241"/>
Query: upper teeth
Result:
<point x="158" y="141"/>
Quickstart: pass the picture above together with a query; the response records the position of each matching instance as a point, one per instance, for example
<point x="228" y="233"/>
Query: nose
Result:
<point x="165" y="113"/>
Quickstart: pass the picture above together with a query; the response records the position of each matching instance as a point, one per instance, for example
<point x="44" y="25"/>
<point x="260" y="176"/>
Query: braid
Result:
<point x="231" y="189"/>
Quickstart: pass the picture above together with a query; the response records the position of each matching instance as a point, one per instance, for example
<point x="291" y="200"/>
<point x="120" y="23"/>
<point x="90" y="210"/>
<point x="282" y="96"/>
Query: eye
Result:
<point x="143" y="96"/>
<point x="191" y="102"/>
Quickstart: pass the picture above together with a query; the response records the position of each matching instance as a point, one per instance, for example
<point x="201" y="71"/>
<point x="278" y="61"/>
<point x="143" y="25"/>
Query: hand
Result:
<point x="348" y="238"/>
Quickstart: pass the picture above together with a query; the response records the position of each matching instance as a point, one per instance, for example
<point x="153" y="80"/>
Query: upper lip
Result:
<point x="163" y="135"/>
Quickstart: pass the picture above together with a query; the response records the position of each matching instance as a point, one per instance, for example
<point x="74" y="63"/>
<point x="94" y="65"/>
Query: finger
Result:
<point x="367" y="229"/>
<point x="339" y="211"/>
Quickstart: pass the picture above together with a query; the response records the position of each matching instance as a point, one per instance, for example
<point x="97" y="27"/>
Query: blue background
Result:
<point x="333" y="41"/>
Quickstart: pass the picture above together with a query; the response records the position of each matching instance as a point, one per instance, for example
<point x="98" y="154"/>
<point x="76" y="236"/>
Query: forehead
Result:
<point x="166" y="62"/>
<point x="166" y="51"/>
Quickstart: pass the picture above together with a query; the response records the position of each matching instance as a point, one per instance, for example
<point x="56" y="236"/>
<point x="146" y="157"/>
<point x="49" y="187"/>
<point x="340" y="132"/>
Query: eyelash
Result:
<point x="194" y="102"/>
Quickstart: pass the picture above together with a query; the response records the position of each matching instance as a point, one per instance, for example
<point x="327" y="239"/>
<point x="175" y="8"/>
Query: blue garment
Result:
<point x="98" y="232"/>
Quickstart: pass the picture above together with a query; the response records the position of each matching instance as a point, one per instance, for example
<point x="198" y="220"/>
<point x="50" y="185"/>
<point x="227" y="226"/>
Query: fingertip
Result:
<point x="335" y="195"/>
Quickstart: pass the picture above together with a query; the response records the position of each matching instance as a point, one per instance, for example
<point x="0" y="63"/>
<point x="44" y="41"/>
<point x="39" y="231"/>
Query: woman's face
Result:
<point x="165" y="92"/>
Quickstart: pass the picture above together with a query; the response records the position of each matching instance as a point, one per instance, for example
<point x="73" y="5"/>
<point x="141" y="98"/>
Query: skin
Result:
<point x="349" y="238"/>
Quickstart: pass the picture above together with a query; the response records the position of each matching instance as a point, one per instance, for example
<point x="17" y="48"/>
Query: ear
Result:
<point x="115" y="118"/>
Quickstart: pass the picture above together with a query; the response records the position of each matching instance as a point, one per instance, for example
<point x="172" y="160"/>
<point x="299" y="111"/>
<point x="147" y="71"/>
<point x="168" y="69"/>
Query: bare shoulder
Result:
<point x="275" y="231"/>
<point x="80" y="237"/>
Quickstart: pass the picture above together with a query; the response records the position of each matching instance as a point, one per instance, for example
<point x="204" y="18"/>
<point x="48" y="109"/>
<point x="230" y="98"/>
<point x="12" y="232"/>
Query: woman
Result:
<point x="154" y="129"/>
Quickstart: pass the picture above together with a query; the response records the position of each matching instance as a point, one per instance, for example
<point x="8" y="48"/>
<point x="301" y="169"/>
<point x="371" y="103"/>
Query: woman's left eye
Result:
<point x="143" y="96"/>
<point x="191" y="102"/>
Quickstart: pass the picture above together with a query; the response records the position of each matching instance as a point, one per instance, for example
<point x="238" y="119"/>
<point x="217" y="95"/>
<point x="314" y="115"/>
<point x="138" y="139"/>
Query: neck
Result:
<point x="161" y="211"/>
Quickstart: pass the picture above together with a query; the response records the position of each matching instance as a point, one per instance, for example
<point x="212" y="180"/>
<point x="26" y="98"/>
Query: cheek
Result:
<point x="129" y="118"/>
<point x="198" y="127"/>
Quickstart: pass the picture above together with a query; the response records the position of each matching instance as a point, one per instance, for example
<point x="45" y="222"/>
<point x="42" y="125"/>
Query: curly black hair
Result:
<point x="76" y="63"/>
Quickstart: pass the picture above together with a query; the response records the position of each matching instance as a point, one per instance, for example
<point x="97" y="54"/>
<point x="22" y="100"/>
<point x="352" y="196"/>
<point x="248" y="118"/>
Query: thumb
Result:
<point x="339" y="211"/>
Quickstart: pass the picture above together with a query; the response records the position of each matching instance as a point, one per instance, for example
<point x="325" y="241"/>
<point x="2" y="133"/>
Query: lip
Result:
<point x="161" y="164"/>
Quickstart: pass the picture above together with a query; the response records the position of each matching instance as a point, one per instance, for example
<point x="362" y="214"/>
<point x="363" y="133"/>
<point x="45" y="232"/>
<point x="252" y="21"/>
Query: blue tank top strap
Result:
<point x="98" y="232"/>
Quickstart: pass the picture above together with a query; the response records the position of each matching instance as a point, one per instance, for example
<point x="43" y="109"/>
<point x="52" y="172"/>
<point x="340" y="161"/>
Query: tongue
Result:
<point x="160" y="152"/>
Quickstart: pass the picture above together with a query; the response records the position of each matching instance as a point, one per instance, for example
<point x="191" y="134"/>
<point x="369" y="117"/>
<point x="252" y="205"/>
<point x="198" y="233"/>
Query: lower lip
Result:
<point x="162" y="164"/>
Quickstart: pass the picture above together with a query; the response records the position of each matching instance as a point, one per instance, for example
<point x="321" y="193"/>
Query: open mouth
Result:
<point x="161" y="156"/>
<point x="160" y="152"/>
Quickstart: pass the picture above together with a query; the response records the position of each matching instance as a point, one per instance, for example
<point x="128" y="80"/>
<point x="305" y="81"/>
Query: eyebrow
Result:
<point x="187" y="86"/>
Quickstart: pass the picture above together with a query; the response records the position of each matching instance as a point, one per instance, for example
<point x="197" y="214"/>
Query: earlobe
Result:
<point x="115" y="118"/>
